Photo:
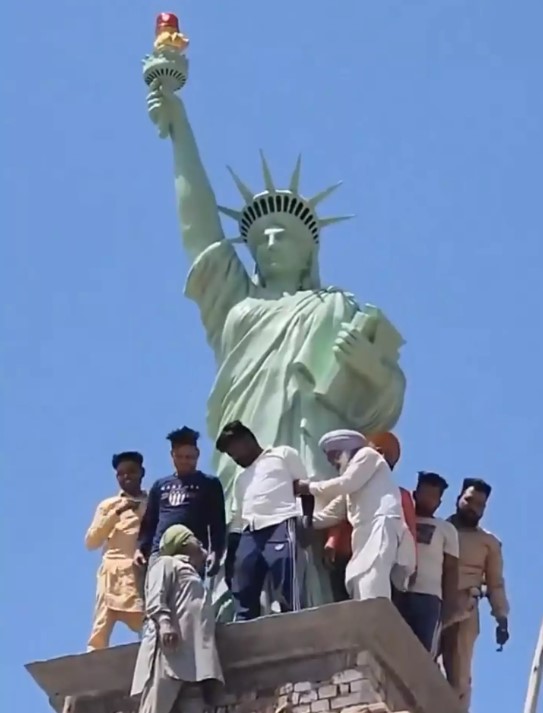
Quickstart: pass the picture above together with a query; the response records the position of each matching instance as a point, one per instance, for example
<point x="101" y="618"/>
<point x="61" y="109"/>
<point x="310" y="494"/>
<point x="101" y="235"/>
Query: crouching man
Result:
<point x="177" y="668"/>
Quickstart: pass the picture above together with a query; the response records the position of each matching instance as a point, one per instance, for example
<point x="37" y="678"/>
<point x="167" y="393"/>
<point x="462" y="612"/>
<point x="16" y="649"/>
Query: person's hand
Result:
<point x="449" y="612"/>
<point x="126" y="505"/>
<point x="329" y="556"/>
<point x="502" y="632"/>
<point x="169" y="638"/>
<point x="140" y="560"/>
<point x="301" y="487"/>
<point x="213" y="564"/>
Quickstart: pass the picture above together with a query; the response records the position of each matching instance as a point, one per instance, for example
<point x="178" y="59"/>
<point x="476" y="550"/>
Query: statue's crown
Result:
<point x="286" y="202"/>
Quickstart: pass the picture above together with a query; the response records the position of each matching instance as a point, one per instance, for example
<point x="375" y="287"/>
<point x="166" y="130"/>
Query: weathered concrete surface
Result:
<point x="264" y="655"/>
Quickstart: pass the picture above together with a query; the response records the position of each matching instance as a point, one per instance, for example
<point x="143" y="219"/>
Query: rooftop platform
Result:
<point x="339" y="657"/>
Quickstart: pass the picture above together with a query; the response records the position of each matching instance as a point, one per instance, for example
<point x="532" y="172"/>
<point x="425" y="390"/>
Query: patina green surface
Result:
<point x="294" y="358"/>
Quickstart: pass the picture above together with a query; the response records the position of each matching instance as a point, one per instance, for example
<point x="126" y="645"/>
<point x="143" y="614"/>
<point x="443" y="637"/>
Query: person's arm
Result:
<point x="294" y="464"/>
<point x="333" y="537"/>
<point x="236" y="519"/>
<point x="333" y="514"/>
<point x="495" y="582"/>
<point x="297" y="471"/>
<point x="217" y="526"/>
<point x="449" y="579"/>
<point x="234" y="533"/>
<point x="160" y="581"/>
<point x="359" y="471"/>
<point x="149" y="521"/>
<point x="103" y="523"/>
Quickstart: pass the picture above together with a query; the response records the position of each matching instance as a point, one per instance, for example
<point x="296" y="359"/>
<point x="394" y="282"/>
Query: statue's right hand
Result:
<point x="161" y="106"/>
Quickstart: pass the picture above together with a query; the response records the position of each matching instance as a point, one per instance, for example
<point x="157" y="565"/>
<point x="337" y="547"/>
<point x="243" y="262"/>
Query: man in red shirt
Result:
<point x="337" y="549"/>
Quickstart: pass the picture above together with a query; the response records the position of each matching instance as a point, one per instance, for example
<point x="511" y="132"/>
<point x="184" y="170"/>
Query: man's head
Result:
<point x="179" y="540"/>
<point x="471" y="503"/>
<point x="340" y="446"/>
<point x="184" y="450"/>
<point x="239" y="442"/>
<point x="387" y="445"/>
<point x="129" y="469"/>
<point x="428" y="493"/>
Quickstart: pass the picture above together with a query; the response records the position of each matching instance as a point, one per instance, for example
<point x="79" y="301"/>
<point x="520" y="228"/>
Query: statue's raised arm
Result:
<point x="196" y="203"/>
<point x="217" y="280"/>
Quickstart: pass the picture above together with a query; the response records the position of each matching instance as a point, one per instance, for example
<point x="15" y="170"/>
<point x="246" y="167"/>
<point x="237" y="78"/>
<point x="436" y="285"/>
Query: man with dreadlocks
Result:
<point x="115" y="528"/>
<point x="187" y="497"/>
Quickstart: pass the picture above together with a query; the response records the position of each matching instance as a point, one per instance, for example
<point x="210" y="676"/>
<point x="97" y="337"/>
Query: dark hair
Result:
<point x="478" y="484"/>
<point x="183" y="437"/>
<point x="231" y="432"/>
<point x="427" y="477"/>
<point x="132" y="456"/>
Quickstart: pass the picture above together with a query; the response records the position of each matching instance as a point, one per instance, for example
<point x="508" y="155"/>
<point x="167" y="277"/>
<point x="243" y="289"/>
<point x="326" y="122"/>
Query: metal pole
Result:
<point x="534" y="682"/>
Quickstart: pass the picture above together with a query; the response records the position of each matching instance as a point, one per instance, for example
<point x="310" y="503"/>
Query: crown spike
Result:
<point x="246" y="192"/>
<point x="295" y="179"/>
<point x="323" y="194"/>
<point x="325" y="222"/>
<point x="230" y="212"/>
<point x="268" y="180"/>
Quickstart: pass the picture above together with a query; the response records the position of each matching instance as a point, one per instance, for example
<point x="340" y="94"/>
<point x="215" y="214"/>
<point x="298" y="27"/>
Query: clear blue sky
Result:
<point x="430" y="111"/>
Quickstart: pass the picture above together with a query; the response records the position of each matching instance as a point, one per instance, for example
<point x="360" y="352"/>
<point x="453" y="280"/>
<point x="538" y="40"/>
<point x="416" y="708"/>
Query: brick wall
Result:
<point x="362" y="687"/>
<point x="343" y="658"/>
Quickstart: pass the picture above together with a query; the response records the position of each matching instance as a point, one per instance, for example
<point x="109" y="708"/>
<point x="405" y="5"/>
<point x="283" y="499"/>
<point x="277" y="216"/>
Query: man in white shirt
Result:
<point x="432" y="593"/>
<point x="366" y="495"/>
<point x="262" y="540"/>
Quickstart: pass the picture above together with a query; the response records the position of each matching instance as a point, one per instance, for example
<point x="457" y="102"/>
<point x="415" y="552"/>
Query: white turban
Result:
<point x="342" y="440"/>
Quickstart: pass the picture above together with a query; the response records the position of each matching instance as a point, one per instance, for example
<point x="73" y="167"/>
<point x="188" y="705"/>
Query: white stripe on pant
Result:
<point x="293" y="546"/>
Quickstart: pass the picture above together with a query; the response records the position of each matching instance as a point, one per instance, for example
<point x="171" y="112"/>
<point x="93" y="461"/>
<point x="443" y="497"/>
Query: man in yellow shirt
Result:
<point x="115" y="528"/>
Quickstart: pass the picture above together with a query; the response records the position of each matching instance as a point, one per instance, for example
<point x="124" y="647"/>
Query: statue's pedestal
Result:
<point x="346" y="658"/>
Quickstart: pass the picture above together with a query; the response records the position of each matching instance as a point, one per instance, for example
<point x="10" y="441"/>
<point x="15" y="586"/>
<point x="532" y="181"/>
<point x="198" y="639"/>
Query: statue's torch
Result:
<point x="167" y="64"/>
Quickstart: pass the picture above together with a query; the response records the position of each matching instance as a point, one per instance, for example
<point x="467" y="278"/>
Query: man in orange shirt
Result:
<point x="337" y="549"/>
<point x="115" y="527"/>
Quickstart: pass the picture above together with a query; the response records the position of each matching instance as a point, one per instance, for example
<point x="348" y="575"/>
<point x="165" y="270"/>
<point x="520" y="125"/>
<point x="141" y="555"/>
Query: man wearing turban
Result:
<point x="365" y="494"/>
<point x="337" y="548"/>
<point x="177" y="666"/>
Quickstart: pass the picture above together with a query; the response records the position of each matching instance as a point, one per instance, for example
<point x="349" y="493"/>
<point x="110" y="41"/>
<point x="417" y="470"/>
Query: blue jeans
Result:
<point x="268" y="552"/>
<point x="423" y="614"/>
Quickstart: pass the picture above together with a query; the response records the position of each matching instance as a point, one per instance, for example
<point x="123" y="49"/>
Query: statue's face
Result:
<point x="278" y="252"/>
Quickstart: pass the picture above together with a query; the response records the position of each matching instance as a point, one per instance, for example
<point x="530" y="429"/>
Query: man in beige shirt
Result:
<point x="115" y="528"/>
<point x="480" y="568"/>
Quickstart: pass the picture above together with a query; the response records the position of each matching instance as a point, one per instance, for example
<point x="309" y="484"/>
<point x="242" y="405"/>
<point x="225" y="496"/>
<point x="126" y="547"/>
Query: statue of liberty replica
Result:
<point x="294" y="358"/>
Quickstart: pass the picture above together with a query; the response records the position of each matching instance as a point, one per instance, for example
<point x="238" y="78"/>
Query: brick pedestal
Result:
<point x="354" y="657"/>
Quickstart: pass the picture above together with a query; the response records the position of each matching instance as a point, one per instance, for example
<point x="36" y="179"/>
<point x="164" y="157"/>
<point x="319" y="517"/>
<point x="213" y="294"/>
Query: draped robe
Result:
<point x="274" y="358"/>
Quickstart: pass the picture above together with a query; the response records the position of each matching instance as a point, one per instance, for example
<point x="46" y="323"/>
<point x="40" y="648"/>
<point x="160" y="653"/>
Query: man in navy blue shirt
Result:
<point x="188" y="497"/>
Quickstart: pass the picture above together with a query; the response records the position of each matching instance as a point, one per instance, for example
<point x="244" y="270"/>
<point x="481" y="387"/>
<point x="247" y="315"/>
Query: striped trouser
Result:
<point x="271" y="553"/>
